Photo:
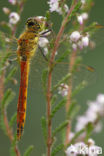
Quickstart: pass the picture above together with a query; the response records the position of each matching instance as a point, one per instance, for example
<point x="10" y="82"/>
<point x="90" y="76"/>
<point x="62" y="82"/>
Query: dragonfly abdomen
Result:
<point x="22" y="101"/>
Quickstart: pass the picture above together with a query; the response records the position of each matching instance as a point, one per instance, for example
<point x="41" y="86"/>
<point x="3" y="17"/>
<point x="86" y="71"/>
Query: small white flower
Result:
<point x="84" y="16"/>
<point x="7" y="40"/>
<point x="75" y="36"/>
<point x="80" y="45"/>
<point x="14" y="18"/>
<point x="43" y="42"/>
<point x="54" y="5"/>
<point x="13" y="2"/>
<point x="80" y="19"/>
<point x="91" y="142"/>
<point x="63" y="89"/>
<point x="71" y="151"/>
<point x="66" y="8"/>
<point x="81" y="122"/>
<point x="85" y="41"/>
<point x="74" y="46"/>
<point x="83" y="1"/>
<point x="6" y="10"/>
<point x="100" y="98"/>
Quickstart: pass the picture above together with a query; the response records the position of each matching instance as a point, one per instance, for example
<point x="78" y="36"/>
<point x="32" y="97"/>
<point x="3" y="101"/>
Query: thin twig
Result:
<point x="8" y="129"/>
<point x="2" y="85"/>
<point x="10" y="132"/>
<point x="71" y="64"/>
<point x="49" y="95"/>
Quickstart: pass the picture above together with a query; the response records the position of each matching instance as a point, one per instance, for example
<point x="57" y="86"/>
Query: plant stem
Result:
<point x="10" y="132"/>
<point x="2" y="86"/>
<point x="71" y="64"/>
<point x="49" y="140"/>
<point x="49" y="94"/>
<point x="8" y="129"/>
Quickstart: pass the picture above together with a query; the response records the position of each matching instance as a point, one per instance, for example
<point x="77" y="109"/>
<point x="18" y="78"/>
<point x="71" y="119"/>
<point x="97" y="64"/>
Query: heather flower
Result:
<point x="84" y="16"/>
<point x="14" y="18"/>
<point x="94" y="111"/>
<point x="13" y="2"/>
<point x="91" y="142"/>
<point x="85" y="41"/>
<point x="63" y="89"/>
<point x="74" y="46"/>
<point x="71" y="151"/>
<point x="75" y="36"/>
<point x="83" y="1"/>
<point x="54" y="6"/>
<point x="6" y="10"/>
<point x="81" y="18"/>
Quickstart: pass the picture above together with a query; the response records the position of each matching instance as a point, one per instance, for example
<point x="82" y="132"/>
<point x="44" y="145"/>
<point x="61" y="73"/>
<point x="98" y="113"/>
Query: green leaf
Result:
<point x="75" y="10"/>
<point x="8" y="96"/>
<point x="71" y="110"/>
<point x="60" y="127"/>
<point x="28" y="150"/>
<point x="62" y="57"/>
<point x="44" y="128"/>
<point x="64" y="79"/>
<point x="10" y="75"/>
<point x="58" y="107"/>
<point x="89" y="129"/>
<point x="13" y="145"/>
<point x="79" y="88"/>
<point x="2" y="125"/>
<point x="2" y="40"/>
<point x="57" y="149"/>
<point x="53" y="99"/>
<point x="13" y="119"/>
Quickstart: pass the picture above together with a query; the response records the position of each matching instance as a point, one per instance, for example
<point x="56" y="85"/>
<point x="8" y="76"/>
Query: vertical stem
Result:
<point x="2" y="85"/>
<point x="10" y="132"/>
<point x="71" y="64"/>
<point x="49" y="141"/>
<point x="56" y="45"/>
<point x="8" y="129"/>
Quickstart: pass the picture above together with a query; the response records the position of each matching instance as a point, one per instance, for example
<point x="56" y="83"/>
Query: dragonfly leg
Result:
<point x="46" y="33"/>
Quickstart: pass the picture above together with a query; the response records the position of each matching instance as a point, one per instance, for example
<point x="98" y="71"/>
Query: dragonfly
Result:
<point x="27" y="46"/>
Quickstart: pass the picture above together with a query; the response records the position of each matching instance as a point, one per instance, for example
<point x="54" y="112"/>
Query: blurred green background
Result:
<point x="36" y="102"/>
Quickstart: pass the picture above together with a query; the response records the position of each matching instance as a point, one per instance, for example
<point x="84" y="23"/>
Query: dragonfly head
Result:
<point x="35" y="24"/>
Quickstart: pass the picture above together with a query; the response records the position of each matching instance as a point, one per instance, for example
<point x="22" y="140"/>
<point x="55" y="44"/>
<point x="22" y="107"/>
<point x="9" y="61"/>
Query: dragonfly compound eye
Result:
<point x="30" y="24"/>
